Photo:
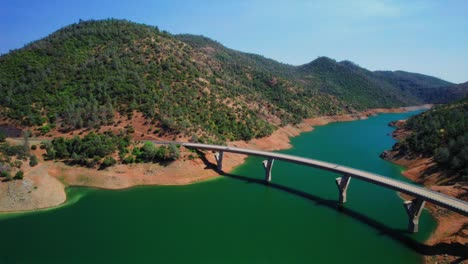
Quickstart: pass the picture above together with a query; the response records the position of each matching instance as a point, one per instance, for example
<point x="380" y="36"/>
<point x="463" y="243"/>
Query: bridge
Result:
<point x="413" y="207"/>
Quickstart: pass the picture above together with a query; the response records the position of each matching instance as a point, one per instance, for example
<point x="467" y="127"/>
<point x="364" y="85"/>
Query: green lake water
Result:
<point x="236" y="218"/>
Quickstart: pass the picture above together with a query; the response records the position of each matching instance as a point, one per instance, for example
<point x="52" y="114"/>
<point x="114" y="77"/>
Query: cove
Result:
<point x="236" y="218"/>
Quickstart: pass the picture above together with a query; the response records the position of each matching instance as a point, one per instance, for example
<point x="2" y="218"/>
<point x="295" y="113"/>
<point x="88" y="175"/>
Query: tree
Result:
<point x="50" y="153"/>
<point x="6" y="175"/>
<point x="442" y="155"/>
<point x="33" y="161"/>
<point x="26" y="135"/>
<point x="148" y="152"/>
<point x="107" y="162"/>
<point x="4" y="168"/>
<point x="174" y="152"/>
<point x="2" y="136"/>
<point x="455" y="163"/>
<point x="19" y="175"/>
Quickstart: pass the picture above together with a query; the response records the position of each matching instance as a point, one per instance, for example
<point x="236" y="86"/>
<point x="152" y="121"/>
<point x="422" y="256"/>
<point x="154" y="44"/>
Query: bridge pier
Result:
<point x="268" y="165"/>
<point x="342" y="183"/>
<point x="219" y="159"/>
<point x="414" y="209"/>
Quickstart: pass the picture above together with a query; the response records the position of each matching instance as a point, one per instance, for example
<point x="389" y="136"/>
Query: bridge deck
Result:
<point x="439" y="199"/>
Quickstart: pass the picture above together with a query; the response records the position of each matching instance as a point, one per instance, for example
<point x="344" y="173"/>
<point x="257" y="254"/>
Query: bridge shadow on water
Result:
<point x="402" y="236"/>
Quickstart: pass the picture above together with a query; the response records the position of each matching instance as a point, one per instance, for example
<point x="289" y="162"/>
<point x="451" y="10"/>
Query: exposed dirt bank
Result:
<point x="452" y="228"/>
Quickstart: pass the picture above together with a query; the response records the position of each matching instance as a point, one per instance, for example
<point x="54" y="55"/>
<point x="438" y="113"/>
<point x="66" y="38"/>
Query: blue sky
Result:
<point x="429" y="37"/>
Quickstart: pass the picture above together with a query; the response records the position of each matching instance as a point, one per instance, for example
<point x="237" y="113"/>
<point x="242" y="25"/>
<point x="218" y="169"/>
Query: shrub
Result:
<point x="130" y="129"/>
<point x="194" y="139"/>
<point x="17" y="164"/>
<point x="19" y="175"/>
<point x="6" y="175"/>
<point x="174" y="152"/>
<point x="4" y="167"/>
<point x="129" y="159"/>
<point x="33" y="147"/>
<point x="44" y="129"/>
<point x="33" y="161"/>
<point x="147" y="153"/>
<point x="107" y="162"/>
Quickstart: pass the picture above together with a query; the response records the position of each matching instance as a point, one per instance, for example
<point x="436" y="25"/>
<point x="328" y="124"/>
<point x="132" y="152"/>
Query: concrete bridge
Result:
<point x="413" y="207"/>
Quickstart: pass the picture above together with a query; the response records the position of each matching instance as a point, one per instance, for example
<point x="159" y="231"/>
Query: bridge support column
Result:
<point x="268" y="165"/>
<point x="414" y="209"/>
<point x="219" y="159"/>
<point x="342" y="184"/>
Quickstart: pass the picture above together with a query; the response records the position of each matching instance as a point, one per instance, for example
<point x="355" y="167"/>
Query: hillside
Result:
<point x="97" y="73"/>
<point x="433" y="147"/>
<point x="353" y="84"/>
<point x="440" y="134"/>
<point x="429" y="89"/>
<point x="447" y="94"/>
<point x="408" y="80"/>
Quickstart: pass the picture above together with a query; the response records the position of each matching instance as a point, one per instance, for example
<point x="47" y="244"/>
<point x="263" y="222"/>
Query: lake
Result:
<point x="236" y="218"/>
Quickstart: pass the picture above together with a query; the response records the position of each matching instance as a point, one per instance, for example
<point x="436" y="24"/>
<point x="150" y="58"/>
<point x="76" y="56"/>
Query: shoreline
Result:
<point x="451" y="227"/>
<point x="44" y="185"/>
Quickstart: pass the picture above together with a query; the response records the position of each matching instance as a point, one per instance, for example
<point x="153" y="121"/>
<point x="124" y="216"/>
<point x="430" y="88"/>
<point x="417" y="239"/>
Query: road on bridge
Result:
<point x="413" y="207"/>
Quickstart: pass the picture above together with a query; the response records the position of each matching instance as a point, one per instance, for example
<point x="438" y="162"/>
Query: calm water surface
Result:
<point x="235" y="219"/>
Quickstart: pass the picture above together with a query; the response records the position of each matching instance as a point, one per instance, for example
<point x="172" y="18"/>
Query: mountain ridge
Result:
<point x="85" y="74"/>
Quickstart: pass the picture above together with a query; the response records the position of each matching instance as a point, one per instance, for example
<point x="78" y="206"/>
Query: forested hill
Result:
<point x="86" y="73"/>
<point x="429" y="89"/>
<point x="442" y="133"/>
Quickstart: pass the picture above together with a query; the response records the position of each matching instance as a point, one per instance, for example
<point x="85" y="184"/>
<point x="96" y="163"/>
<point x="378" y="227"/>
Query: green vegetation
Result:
<point x="108" y="162"/>
<point x="5" y="170"/>
<point x="429" y="89"/>
<point x="92" y="151"/>
<point x="87" y="151"/>
<point x="98" y="150"/>
<point x="83" y="74"/>
<point x="19" y="175"/>
<point x="442" y="132"/>
<point x="2" y="137"/>
<point x="150" y="153"/>
<point x="6" y="175"/>
<point x="11" y="157"/>
<point x="79" y="76"/>
<point x="17" y="151"/>
<point x="353" y="84"/>
<point x="33" y="161"/>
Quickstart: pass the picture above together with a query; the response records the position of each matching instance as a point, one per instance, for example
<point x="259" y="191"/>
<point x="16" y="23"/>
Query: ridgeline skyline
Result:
<point x="425" y="37"/>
